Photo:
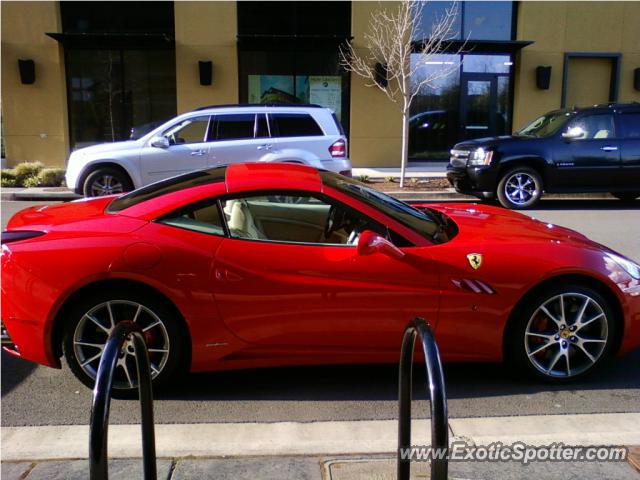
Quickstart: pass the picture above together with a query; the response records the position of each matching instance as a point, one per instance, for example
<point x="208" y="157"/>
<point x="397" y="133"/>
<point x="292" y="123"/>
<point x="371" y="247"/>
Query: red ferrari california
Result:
<point x="257" y="265"/>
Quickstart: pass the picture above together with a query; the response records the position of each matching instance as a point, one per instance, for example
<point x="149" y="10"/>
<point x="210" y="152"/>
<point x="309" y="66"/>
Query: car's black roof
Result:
<point x="607" y="106"/>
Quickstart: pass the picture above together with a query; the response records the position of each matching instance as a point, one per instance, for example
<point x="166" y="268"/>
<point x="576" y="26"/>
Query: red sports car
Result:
<point x="257" y="265"/>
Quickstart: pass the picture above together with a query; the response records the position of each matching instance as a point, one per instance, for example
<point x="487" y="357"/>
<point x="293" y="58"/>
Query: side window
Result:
<point x="596" y="127"/>
<point x="630" y="125"/>
<point x="192" y="130"/>
<point x="294" y="125"/>
<point x="234" y="127"/>
<point x="201" y="217"/>
<point x="295" y="218"/>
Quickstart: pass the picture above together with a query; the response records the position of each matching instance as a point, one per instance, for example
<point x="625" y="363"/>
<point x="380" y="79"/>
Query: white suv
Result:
<point x="209" y="137"/>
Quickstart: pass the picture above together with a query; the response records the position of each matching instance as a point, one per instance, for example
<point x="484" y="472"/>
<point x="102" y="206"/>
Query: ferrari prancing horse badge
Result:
<point x="475" y="260"/>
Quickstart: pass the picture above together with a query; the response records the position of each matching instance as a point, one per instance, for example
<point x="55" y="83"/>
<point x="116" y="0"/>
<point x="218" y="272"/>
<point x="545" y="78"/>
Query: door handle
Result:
<point x="609" y="148"/>
<point x="266" y="146"/>
<point x="198" y="152"/>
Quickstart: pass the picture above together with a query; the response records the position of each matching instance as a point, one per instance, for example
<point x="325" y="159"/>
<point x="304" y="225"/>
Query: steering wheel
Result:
<point x="335" y="220"/>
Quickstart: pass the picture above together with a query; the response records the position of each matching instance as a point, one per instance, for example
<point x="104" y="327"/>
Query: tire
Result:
<point x="537" y="346"/>
<point x="106" y="181"/>
<point x="520" y="188"/>
<point x="626" y="196"/>
<point x="167" y="335"/>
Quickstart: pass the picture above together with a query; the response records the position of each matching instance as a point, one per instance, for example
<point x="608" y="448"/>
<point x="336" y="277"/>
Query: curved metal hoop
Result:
<point x="437" y="396"/>
<point x="99" y="423"/>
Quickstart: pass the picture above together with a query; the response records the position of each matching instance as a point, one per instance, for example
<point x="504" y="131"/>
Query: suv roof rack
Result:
<point x="288" y="105"/>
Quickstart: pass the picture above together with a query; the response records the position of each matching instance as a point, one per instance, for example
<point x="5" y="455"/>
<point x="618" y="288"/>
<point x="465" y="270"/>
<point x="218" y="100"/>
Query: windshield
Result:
<point x="546" y="125"/>
<point x="422" y="221"/>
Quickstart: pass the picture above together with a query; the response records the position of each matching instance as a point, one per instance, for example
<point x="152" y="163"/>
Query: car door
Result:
<point x="239" y="137"/>
<point x="283" y="281"/>
<point x="590" y="160"/>
<point x="187" y="150"/>
<point x="629" y="124"/>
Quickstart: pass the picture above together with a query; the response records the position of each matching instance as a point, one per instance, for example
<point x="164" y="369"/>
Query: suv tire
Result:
<point x="106" y="181"/>
<point x="519" y="188"/>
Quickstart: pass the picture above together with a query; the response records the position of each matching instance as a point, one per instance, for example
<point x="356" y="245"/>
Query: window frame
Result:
<point x="274" y="128"/>
<point x="192" y="119"/>
<point x="291" y="192"/>
<point x="571" y="123"/>
<point x="212" y="130"/>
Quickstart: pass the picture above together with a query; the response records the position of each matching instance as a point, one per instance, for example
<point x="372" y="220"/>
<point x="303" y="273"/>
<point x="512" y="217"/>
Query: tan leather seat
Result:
<point x="240" y="221"/>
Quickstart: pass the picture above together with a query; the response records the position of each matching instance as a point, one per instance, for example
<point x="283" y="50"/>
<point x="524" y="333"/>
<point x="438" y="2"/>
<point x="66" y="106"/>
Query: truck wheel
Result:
<point x="520" y="188"/>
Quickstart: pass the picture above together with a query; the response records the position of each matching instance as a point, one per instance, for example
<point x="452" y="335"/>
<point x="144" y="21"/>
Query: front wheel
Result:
<point x="520" y="188"/>
<point x="92" y="320"/>
<point x="561" y="333"/>
<point x="106" y="181"/>
<point x="626" y="196"/>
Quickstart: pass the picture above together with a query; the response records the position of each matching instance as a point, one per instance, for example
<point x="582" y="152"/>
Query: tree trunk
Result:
<point x="405" y="145"/>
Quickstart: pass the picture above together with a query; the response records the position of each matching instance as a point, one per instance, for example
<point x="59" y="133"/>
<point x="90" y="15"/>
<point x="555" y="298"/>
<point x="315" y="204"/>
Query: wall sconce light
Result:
<point x="27" y="69"/>
<point x="636" y="79"/>
<point x="206" y="72"/>
<point x="543" y="77"/>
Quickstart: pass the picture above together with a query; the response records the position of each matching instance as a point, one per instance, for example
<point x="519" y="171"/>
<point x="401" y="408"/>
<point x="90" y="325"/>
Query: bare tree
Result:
<point x="392" y="52"/>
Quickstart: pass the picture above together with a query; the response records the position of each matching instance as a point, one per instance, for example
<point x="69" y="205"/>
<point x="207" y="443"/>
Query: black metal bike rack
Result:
<point x="99" y="423"/>
<point x="437" y="396"/>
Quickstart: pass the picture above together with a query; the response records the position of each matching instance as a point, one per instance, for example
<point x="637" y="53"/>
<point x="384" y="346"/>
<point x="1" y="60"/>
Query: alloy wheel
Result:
<point x="106" y="185"/>
<point x="566" y="335"/>
<point x="520" y="188"/>
<point x="92" y="332"/>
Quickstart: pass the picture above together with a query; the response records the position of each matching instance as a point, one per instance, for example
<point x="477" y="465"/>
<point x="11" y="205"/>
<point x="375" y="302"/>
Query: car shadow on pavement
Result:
<point x="379" y="383"/>
<point x="19" y="369"/>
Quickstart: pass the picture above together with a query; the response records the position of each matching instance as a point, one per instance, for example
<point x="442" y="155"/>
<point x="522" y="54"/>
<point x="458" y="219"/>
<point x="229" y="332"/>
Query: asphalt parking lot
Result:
<point x="33" y="395"/>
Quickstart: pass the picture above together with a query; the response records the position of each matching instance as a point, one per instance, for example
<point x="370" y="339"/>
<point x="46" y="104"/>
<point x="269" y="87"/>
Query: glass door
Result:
<point x="479" y="106"/>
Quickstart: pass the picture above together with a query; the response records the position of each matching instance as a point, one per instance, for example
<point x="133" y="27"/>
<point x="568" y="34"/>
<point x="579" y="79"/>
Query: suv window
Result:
<point x="234" y="126"/>
<point x="262" y="129"/>
<point x="295" y="218"/>
<point x="630" y="124"/>
<point x="192" y="130"/>
<point x="204" y="218"/>
<point x="294" y="125"/>
<point x="596" y="126"/>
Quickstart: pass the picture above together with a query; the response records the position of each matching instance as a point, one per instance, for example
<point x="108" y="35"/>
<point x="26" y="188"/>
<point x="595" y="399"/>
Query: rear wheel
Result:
<point x="92" y="320"/>
<point x="106" y="181"/>
<point x="626" y="196"/>
<point x="562" y="333"/>
<point x="520" y="188"/>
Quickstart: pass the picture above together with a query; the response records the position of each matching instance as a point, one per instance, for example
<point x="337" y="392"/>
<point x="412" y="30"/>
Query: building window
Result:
<point x="288" y="53"/>
<point x="474" y="20"/>
<point x="475" y="100"/>
<point x="120" y="69"/>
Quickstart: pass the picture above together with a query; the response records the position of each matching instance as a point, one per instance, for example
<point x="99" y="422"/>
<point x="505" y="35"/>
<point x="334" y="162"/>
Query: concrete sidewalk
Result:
<point x="373" y="467"/>
<point x="318" y="450"/>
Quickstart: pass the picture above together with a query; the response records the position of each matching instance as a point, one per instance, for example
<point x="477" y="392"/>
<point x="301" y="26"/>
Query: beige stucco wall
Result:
<point x="34" y="116"/>
<point x="206" y="31"/>
<point x="559" y="27"/>
<point x="376" y="122"/>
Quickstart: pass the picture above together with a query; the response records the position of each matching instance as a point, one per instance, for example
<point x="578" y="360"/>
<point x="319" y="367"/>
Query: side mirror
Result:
<point x="574" y="133"/>
<point x="159" y="142"/>
<point x="370" y="243"/>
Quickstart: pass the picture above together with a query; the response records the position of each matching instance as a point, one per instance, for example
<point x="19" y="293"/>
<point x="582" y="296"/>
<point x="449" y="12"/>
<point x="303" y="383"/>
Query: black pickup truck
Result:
<point x="595" y="149"/>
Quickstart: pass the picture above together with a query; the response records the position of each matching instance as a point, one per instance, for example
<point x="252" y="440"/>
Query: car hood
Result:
<point x="492" y="141"/>
<point x="80" y="215"/>
<point x="479" y="223"/>
<point x="108" y="147"/>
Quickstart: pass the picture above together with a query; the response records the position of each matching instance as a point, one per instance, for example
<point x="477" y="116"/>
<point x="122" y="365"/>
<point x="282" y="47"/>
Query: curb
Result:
<point x="315" y="438"/>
